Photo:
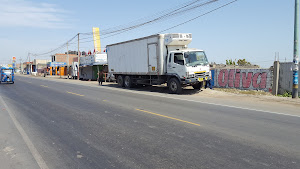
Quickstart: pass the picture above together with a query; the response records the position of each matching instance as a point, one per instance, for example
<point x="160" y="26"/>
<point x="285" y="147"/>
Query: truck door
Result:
<point x="152" y="57"/>
<point x="176" y="64"/>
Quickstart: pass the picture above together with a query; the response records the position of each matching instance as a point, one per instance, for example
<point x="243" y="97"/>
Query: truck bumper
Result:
<point x="195" y="80"/>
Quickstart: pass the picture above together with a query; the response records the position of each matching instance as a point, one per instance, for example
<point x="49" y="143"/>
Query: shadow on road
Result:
<point x="157" y="89"/>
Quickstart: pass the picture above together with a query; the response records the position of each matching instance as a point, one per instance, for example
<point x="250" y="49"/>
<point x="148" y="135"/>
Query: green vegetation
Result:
<point x="286" y="94"/>
<point x="243" y="62"/>
<point x="240" y="62"/>
<point x="230" y="62"/>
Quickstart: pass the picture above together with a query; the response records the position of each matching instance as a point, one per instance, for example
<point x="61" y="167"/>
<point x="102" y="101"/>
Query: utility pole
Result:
<point x="68" y="58"/>
<point x="78" y="57"/>
<point x="29" y="68"/>
<point x="21" y="70"/>
<point x="296" y="52"/>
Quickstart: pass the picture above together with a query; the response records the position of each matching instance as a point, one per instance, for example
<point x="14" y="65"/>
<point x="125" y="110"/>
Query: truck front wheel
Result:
<point x="174" y="86"/>
<point x="127" y="82"/>
<point x="198" y="86"/>
<point x="120" y="81"/>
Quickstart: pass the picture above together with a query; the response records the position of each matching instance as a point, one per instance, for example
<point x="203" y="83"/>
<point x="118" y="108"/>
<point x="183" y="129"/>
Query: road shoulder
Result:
<point x="14" y="152"/>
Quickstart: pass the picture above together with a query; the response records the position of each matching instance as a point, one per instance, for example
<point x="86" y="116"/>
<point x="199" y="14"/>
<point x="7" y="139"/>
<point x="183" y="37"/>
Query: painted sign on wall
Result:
<point x="251" y="79"/>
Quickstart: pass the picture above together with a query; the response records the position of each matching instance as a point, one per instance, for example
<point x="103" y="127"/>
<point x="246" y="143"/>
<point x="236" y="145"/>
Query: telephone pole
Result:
<point x="68" y="58"/>
<point x="78" y="53"/>
<point x="21" y="65"/>
<point x="296" y="52"/>
<point x="29" y="67"/>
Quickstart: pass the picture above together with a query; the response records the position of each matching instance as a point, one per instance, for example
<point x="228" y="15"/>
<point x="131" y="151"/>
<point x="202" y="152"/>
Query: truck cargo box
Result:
<point x="142" y="56"/>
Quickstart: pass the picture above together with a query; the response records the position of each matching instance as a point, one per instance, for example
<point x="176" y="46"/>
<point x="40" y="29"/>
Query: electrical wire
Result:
<point x="179" y="11"/>
<point x="199" y="16"/>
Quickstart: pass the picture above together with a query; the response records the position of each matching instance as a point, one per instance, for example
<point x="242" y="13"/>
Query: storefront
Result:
<point x="92" y="64"/>
<point x="55" y="67"/>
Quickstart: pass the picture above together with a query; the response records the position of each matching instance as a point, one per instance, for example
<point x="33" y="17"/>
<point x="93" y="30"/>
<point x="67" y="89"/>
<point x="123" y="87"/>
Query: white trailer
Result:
<point x="158" y="59"/>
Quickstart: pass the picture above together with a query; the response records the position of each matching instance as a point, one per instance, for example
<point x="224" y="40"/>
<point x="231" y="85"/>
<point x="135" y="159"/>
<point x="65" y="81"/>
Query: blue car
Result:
<point x="7" y="75"/>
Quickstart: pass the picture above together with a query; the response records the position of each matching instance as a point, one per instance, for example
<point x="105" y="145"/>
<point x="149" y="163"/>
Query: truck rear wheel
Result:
<point x="127" y="82"/>
<point x="198" y="85"/>
<point x="174" y="86"/>
<point x="120" y="81"/>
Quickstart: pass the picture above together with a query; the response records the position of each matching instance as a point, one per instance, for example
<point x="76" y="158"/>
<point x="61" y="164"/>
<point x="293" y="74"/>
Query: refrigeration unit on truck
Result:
<point x="158" y="59"/>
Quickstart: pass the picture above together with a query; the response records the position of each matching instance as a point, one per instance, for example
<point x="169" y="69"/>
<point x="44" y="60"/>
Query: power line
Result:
<point x="176" y="12"/>
<point x="199" y="16"/>
<point x="60" y="47"/>
<point x="182" y="9"/>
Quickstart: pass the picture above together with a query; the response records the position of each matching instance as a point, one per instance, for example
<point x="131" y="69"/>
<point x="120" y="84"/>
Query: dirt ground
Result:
<point x="253" y="95"/>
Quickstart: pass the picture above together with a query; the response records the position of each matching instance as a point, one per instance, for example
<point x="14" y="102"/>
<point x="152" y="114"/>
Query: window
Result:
<point x="178" y="58"/>
<point x="195" y="58"/>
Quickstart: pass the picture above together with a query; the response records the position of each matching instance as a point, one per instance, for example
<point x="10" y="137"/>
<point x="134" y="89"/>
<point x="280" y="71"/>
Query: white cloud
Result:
<point x="29" y="14"/>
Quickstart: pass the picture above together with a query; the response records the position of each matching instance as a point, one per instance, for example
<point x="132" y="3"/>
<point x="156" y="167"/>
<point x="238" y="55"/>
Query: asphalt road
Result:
<point x="50" y="124"/>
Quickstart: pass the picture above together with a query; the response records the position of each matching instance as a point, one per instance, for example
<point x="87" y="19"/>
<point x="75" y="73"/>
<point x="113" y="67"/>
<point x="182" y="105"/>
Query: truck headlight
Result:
<point x="189" y="75"/>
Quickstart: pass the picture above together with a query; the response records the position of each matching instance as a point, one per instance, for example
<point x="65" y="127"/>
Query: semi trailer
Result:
<point x="158" y="59"/>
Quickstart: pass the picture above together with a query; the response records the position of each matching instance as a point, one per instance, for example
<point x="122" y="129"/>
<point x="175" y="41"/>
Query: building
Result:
<point x="39" y="65"/>
<point x="60" y="62"/>
<point x="59" y="57"/>
<point x="90" y="65"/>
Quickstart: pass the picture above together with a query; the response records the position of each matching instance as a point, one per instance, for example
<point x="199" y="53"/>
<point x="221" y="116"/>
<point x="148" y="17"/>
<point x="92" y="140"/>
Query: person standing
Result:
<point x="209" y="82"/>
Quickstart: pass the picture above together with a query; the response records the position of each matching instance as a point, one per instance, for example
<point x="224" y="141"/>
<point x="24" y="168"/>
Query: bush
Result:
<point x="286" y="94"/>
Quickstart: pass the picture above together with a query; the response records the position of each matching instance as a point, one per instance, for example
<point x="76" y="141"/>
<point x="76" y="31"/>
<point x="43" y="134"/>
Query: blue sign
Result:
<point x="295" y="79"/>
<point x="57" y="64"/>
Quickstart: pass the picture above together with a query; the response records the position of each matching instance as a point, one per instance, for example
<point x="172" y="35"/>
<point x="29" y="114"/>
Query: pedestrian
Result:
<point x="100" y="77"/>
<point x="209" y="81"/>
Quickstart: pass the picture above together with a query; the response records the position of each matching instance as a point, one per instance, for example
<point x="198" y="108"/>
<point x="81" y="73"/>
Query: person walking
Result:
<point x="100" y="77"/>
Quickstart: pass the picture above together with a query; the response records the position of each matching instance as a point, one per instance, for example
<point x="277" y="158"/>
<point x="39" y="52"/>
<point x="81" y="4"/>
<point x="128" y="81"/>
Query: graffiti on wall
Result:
<point x="259" y="79"/>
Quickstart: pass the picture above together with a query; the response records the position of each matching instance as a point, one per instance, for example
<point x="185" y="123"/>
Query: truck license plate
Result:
<point x="200" y="79"/>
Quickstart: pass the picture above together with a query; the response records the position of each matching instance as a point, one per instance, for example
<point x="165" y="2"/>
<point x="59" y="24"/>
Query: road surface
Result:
<point x="45" y="123"/>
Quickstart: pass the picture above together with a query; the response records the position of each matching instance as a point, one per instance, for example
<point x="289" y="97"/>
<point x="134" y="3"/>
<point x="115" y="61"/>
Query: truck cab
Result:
<point x="189" y="66"/>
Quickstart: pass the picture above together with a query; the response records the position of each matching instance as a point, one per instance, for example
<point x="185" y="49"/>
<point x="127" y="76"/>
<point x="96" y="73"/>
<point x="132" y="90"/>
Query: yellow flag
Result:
<point x="96" y="36"/>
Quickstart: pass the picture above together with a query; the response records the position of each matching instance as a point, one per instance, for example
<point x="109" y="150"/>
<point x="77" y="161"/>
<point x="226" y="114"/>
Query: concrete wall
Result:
<point x="285" y="82"/>
<point x="246" y="79"/>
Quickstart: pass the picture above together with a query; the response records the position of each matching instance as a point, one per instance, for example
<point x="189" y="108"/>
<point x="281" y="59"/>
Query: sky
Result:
<point x="246" y="29"/>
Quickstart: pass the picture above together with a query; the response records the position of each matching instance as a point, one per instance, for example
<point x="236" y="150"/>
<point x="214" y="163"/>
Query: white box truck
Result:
<point x="158" y="59"/>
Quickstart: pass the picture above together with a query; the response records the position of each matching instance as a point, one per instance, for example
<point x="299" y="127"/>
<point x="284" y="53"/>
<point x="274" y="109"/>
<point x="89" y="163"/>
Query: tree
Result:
<point x="243" y="62"/>
<point x="230" y="62"/>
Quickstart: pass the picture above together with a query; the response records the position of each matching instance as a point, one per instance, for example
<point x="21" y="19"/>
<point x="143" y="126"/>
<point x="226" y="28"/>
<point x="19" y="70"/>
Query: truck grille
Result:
<point x="199" y="74"/>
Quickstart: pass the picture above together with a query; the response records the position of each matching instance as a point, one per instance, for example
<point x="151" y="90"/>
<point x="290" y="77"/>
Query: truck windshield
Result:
<point x="195" y="58"/>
